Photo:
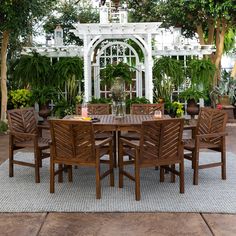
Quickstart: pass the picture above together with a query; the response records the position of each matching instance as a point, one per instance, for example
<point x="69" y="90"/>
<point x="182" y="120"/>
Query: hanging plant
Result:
<point x="33" y="70"/>
<point x="122" y="70"/>
<point x="167" y="74"/>
<point x="68" y="68"/>
<point x="201" y="72"/>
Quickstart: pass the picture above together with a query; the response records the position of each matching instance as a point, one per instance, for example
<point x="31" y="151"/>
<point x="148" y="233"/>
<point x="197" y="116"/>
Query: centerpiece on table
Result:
<point x="117" y="76"/>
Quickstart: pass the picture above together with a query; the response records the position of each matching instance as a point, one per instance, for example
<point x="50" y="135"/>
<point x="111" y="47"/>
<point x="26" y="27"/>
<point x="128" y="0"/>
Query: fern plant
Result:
<point x="167" y="73"/>
<point x="201" y="72"/>
<point x="109" y="74"/>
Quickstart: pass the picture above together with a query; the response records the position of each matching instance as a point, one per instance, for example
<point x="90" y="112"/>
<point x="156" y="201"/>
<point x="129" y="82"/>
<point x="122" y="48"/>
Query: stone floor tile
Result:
<point x="221" y="224"/>
<point x="21" y="224"/>
<point x="132" y="224"/>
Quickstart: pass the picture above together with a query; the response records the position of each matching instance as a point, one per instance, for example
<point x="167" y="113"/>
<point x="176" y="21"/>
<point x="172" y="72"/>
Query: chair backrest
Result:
<point x="161" y="141"/>
<point x="72" y="141"/>
<point x="146" y="109"/>
<point x="211" y="121"/>
<point x="94" y="109"/>
<point x="24" y="121"/>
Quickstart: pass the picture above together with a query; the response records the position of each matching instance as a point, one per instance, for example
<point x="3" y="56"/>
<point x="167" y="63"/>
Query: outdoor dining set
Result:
<point x="140" y="139"/>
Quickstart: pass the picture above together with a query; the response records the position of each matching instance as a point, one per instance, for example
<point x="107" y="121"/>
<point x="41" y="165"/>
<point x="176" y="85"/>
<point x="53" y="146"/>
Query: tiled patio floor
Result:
<point x="117" y="223"/>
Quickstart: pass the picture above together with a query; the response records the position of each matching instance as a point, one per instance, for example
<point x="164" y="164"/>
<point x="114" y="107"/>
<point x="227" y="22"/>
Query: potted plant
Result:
<point x="225" y="92"/>
<point x="43" y="96"/>
<point x="192" y="95"/>
<point x="167" y="74"/>
<point x="116" y="76"/>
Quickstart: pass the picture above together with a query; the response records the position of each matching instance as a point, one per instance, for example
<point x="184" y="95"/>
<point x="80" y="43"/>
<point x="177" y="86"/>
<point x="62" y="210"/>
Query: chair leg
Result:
<point x="70" y="174"/>
<point x="40" y="159"/>
<point x="181" y="176"/>
<point x="111" y="167"/>
<point x="223" y="167"/>
<point x="60" y="173"/>
<point x="121" y="166"/>
<point x="52" y="176"/>
<point x="98" y="180"/>
<point x="172" y="174"/>
<point x="162" y="174"/>
<point x="11" y="168"/>
<point x="137" y="178"/>
<point x="196" y="168"/>
<point x="114" y="144"/>
<point x="37" y="164"/>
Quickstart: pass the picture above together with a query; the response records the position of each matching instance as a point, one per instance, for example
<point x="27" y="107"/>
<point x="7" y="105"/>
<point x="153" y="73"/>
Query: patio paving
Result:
<point x="117" y="223"/>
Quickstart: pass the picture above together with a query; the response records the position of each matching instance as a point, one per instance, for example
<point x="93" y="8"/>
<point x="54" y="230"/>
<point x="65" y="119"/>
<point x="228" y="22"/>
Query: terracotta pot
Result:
<point x="44" y="111"/>
<point x="192" y="108"/>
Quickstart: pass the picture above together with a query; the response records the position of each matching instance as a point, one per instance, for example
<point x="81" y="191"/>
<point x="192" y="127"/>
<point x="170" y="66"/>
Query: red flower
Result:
<point x="219" y="106"/>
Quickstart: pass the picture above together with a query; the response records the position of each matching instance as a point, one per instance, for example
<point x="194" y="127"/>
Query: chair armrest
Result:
<point x="214" y="135"/>
<point x="100" y="143"/>
<point x="133" y="144"/>
<point x="24" y="135"/>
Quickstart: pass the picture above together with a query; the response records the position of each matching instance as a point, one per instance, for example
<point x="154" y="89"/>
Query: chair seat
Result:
<point x="43" y="143"/>
<point x="130" y="135"/>
<point x="189" y="144"/>
<point x="103" y="135"/>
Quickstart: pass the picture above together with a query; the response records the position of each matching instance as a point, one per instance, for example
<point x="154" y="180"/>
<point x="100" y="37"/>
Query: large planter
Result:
<point x="118" y="98"/>
<point x="224" y="100"/>
<point x="192" y="108"/>
<point x="44" y="111"/>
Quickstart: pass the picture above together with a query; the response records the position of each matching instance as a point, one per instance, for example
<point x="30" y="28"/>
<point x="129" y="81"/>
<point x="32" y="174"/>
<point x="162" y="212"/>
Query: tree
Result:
<point x="16" y="17"/>
<point x="211" y="19"/>
<point x="68" y="13"/>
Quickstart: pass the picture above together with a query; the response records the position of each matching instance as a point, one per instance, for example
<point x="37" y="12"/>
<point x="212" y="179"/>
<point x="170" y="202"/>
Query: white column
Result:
<point x="148" y="70"/>
<point x="96" y="81"/>
<point x="139" y="86"/>
<point x="86" y="83"/>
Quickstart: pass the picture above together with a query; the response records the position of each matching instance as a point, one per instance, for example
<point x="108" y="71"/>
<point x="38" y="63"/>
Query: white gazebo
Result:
<point x="108" y="42"/>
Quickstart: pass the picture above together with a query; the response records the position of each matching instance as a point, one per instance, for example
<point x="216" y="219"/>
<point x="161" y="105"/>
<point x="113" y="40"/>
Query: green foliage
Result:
<point x="21" y="98"/>
<point x="3" y="127"/>
<point x="174" y="109"/>
<point x="34" y="70"/>
<point x="100" y="100"/>
<point x="62" y="108"/>
<point x="195" y="12"/>
<point x="69" y="71"/>
<point x="135" y="100"/>
<point x="226" y="87"/>
<point x="43" y="95"/>
<point x="17" y="16"/>
<point x="143" y="11"/>
<point x="69" y="13"/>
<point x="167" y="73"/>
<point x="69" y="68"/>
<point x="201" y="72"/>
<point x="230" y="40"/>
<point x="109" y="74"/>
<point x="192" y="93"/>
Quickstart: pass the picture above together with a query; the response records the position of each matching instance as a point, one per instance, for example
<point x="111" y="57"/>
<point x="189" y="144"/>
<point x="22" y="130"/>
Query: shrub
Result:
<point x="21" y="98"/>
<point x="3" y="127"/>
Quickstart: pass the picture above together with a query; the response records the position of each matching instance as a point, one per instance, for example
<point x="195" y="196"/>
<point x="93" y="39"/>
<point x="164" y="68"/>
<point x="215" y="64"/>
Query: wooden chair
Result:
<point x="209" y="134"/>
<point x="73" y="143"/>
<point x="142" y="109"/>
<point x="146" y="109"/>
<point x="94" y="109"/>
<point x="24" y="133"/>
<point x="160" y="145"/>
